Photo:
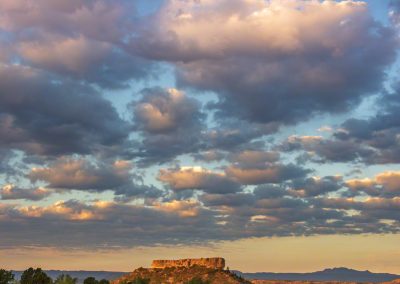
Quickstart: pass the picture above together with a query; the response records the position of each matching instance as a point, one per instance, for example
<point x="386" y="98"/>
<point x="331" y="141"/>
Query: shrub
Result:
<point x="65" y="279"/>
<point x="35" y="276"/>
<point x="6" y="277"/>
<point x="198" y="280"/>
<point x="140" y="281"/>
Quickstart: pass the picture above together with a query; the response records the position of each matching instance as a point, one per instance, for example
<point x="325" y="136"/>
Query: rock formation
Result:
<point x="213" y="263"/>
<point x="181" y="275"/>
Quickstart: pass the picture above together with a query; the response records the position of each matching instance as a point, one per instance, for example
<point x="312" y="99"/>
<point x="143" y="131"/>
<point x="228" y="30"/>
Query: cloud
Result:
<point x="245" y="51"/>
<point x="82" y="40"/>
<point x="185" y="209"/>
<point x="104" y="225"/>
<point x="209" y="156"/>
<point x="11" y="192"/>
<point x="84" y="59"/>
<point x="198" y="178"/>
<point x="373" y="140"/>
<point x="315" y="186"/>
<point x="6" y="166"/>
<point x="275" y="173"/>
<point x="266" y="63"/>
<point x="385" y="184"/>
<point x="232" y="134"/>
<point x="321" y="150"/>
<point x="81" y="174"/>
<point x="230" y="199"/>
<point x="167" y="117"/>
<point x="215" y="217"/>
<point x="394" y="13"/>
<point x="254" y="159"/>
<point x="166" y="111"/>
<point x="46" y="115"/>
<point x="95" y="176"/>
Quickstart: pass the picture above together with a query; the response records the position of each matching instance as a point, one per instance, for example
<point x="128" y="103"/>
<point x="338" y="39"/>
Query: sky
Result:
<point x="265" y="132"/>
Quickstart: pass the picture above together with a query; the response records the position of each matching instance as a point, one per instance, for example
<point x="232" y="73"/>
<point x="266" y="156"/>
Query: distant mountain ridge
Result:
<point x="330" y="274"/>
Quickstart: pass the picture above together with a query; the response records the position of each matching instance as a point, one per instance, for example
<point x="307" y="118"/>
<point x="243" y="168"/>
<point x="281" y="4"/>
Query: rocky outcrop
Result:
<point x="213" y="263"/>
<point x="181" y="275"/>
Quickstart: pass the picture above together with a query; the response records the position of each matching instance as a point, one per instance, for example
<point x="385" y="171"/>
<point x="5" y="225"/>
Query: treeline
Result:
<point x="38" y="276"/>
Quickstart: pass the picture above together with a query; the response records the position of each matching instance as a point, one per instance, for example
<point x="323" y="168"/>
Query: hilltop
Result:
<point x="182" y="275"/>
<point x="182" y="271"/>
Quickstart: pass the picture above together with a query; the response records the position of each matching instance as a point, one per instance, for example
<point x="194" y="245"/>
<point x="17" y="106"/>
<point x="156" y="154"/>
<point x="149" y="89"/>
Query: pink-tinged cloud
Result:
<point x="245" y="51"/>
<point x="165" y="111"/>
<point x="272" y="173"/>
<point x="192" y="178"/>
<point x="81" y="174"/>
<point x="383" y="184"/>
<point x="73" y="55"/>
<point x="11" y="192"/>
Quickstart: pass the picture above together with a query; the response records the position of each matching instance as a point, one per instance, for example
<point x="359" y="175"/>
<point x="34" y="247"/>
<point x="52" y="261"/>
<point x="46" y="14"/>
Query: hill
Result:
<point x="182" y="275"/>
<point x="336" y="274"/>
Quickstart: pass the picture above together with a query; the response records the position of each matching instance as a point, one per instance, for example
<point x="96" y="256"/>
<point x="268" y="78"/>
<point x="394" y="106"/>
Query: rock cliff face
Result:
<point x="213" y="263"/>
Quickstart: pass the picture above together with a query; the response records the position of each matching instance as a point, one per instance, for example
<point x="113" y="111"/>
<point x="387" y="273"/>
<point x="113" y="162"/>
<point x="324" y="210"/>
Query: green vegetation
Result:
<point x="35" y="276"/>
<point x="198" y="280"/>
<point x="6" y="277"/>
<point x="65" y="279"/>
<point x="92" y="280"/>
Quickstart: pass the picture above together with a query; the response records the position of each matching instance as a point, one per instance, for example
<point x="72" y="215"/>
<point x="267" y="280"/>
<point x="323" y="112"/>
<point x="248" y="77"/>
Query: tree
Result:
<point x="35" y="276"/>
<point x="90" y="280"/>
<point x="65" y="279"/>
<point x="6" y="276"/>
<point x="104" y="281"/>
<point x="197" y="280"/>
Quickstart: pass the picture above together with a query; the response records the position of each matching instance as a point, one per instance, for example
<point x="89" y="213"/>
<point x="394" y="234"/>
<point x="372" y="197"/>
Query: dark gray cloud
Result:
<point x="73" y="224"/>
<point x="43" y="114"/>
<point x="81" y="174"/>
<point x="374" y="140"/>
<point x="268" y="191"/>
<point x="268" y="211"/>
<point x="167" y="118"/>
<point x="270" y="173"/>
<point x="316" y="186"/>
<point x="94" y="176"/>
<point x="231" y="200"/>
<point x="379" y="133"/>
<point x="83" y="40"/>
<point x="10" y="192"/>
<point x="254" y="159"/>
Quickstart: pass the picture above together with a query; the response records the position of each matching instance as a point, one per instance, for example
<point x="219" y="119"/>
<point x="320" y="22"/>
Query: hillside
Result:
<point x="333" y="275"/>
<point x="182" y="275"/>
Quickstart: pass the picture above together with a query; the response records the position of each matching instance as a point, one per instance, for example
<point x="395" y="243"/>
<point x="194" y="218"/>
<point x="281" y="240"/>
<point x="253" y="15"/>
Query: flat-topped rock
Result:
<point x="213" y="262"/>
